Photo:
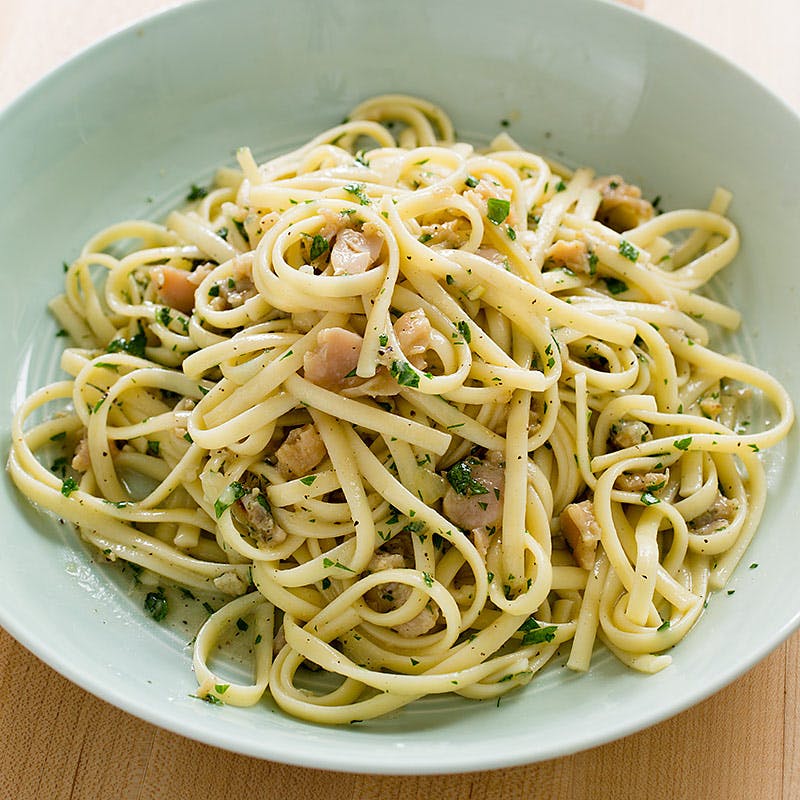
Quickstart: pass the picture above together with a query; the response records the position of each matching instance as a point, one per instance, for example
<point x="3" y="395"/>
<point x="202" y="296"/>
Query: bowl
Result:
<point x="124" y="129"/>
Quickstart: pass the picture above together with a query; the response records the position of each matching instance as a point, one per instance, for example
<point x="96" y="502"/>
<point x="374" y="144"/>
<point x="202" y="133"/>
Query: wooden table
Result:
<point x="57" y="741"/>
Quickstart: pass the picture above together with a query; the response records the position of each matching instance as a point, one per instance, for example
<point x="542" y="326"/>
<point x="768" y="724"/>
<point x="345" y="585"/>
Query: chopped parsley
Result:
<point x="208" y="698"/>
<point x="464" y="330"/>
<point x="497" y="209"/>
<point x="663" y="626"/>
<point x="308" y="480"/>
<point x="241" y="624"/>
<point x="319" y="244"/>
<point x="615" y="285"/>
<point x="533" y="633"/>
<point x="426" y="576"/>
<point x="404" y="374"/>
<point x="471" y="181"/>
<point x="327" y="562"/>
<point x="561" y="186"/>
<point x="242" y="230"/>
<point x="196" y="193"/>
<point x="649" y="499"/>
<point x="133" y="346"/>
<point x="627" y="250"/>
<point x="459" y="476"/>
<point x="683" y="444"/>
<point x="155" y="603"/>
<point x="357" y="190"/>
<point x="229" y="496"/>
<point x="68" y="486"/>
<point x="426" y="237"/>
<point x="163" y="316"/>
<point x="153" y="446"/>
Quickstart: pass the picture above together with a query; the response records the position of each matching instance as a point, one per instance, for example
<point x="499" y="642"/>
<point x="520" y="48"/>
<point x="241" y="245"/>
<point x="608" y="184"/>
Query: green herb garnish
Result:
<point x="615" y="285"/>
<point x="649" y="499"/>
<point x="627" y="250"/>
<point x="533" y="633"/>
<point x="459" y="476"/>
<point x="358" y="191"/>
<point x="155" y="603"/>
<point x="497" y="210"/>
<point x="68" y="486"/>
<point x="404" y="374"/>
<point x="196" y="193"/>
<point x="319" y="244"/>
<point x="133" y="346"/>
<point x="229" y="496"/>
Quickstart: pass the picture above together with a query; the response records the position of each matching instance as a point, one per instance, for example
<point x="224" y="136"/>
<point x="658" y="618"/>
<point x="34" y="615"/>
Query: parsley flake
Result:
<point x="68" y="486"/>
<point x="196" y="193"/>
<point x="229" y="496"/>
<point x="497" y="209"/>
<point x="533" y="633"/>
<point x="649" y="499"/>
<point x="459" y="476"/>
<point x="615" y="285"/>
<point x="404" y="374"/>
<point x="319" y="244"/>
<point x="627" y="250"/>
<point x="155" y="603"/>
<point x="358" y="191"/>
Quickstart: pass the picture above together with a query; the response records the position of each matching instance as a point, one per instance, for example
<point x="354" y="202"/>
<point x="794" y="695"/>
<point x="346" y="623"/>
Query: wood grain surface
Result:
<point x="58" y="742"/>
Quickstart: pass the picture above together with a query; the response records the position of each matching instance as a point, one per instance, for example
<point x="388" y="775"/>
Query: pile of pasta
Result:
<point x="426" y="415"/>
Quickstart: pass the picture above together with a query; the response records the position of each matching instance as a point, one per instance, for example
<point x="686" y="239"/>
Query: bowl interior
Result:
<point x="125" y="128"/>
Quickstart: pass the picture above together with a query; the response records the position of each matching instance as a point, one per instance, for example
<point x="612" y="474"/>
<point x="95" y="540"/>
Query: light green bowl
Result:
<point x="122" y="131"/>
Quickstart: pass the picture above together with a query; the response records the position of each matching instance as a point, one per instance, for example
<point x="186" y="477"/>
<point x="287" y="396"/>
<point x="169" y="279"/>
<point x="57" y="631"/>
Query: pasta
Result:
<point x="426" y="415"/>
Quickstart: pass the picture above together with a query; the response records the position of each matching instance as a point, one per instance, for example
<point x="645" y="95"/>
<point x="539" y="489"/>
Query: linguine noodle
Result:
<point x="425" y="414"/>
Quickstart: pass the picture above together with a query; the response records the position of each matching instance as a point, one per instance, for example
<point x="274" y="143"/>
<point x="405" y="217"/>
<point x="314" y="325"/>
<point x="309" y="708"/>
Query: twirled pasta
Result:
<point x="426" y="414"/>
